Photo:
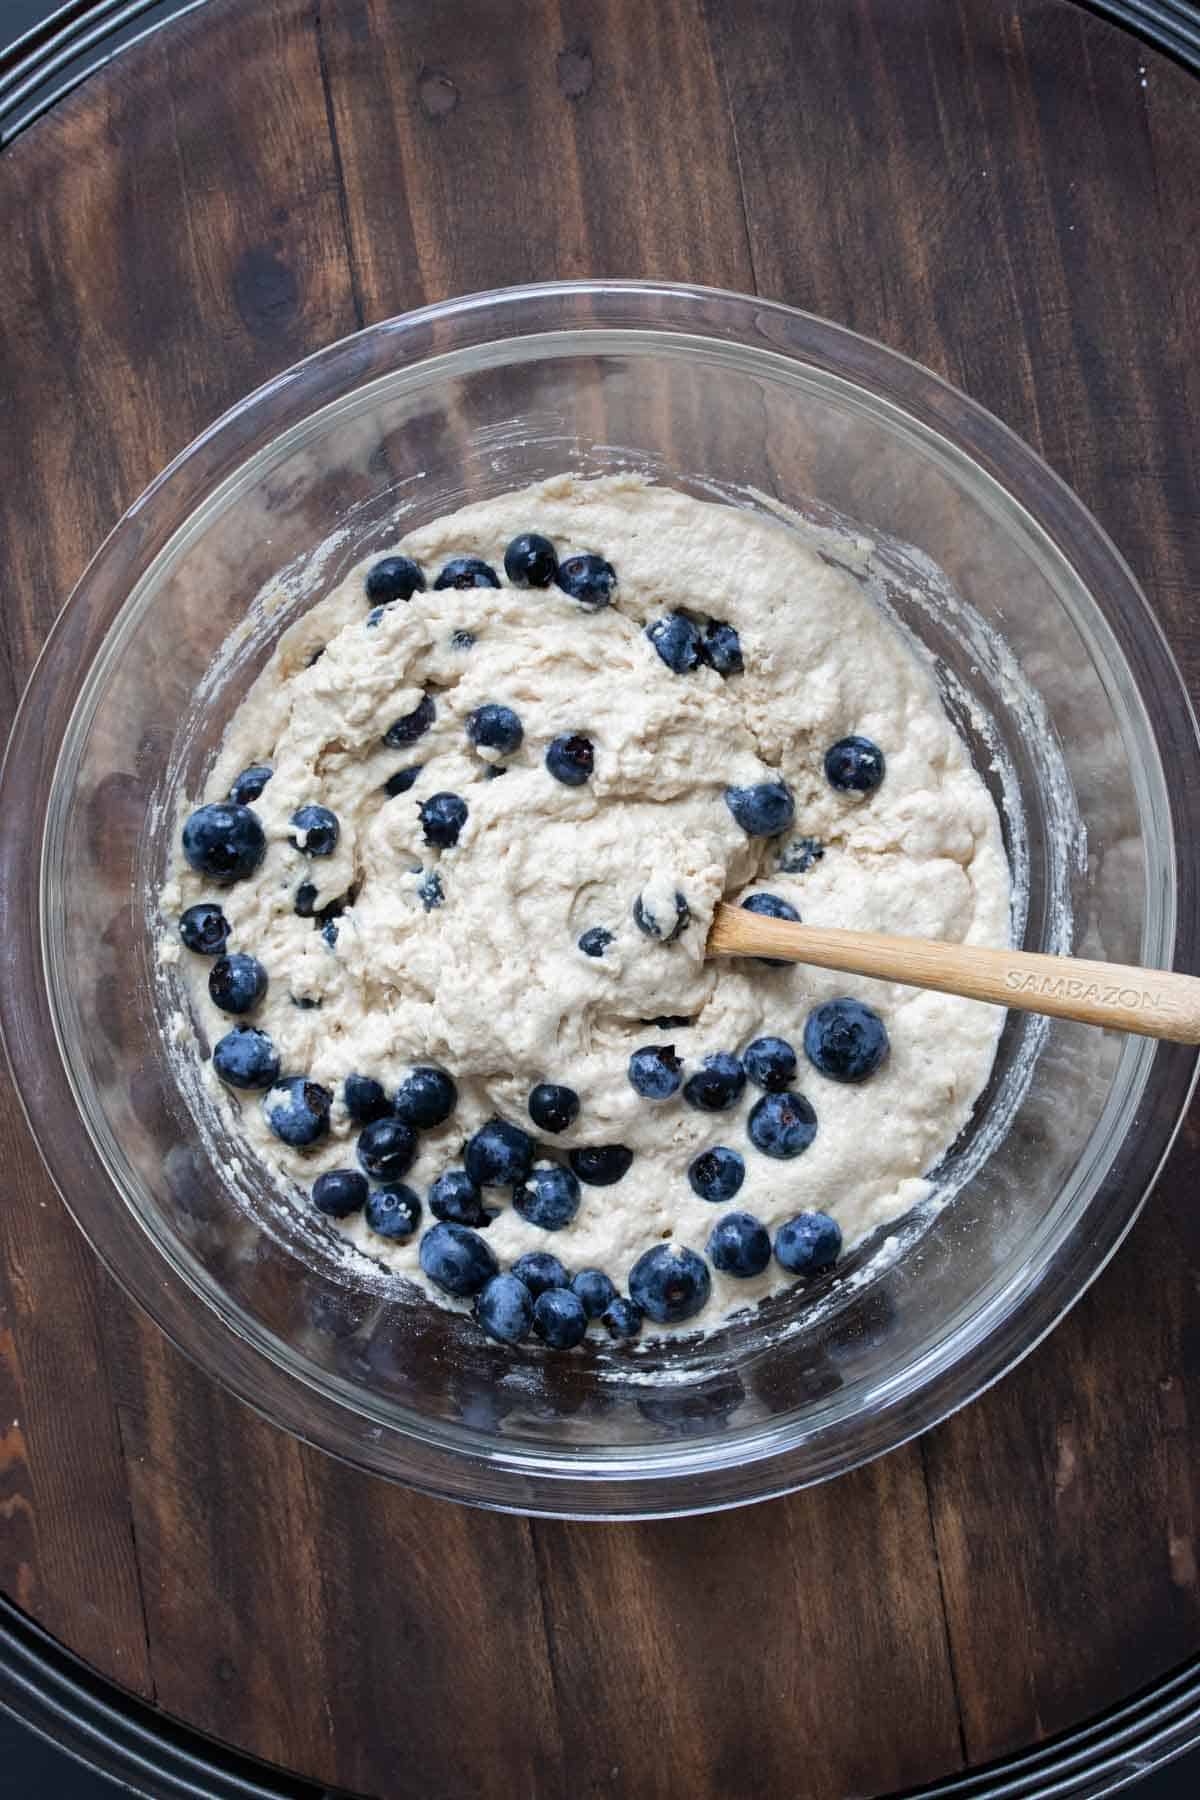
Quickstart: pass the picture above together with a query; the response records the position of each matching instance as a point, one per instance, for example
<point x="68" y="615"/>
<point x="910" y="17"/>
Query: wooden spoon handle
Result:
<point x="1153" y="1002"/>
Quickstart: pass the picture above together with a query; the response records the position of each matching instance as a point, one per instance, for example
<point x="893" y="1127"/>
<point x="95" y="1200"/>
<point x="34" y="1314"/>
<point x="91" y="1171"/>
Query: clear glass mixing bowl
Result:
<point x="1049" y="659"/>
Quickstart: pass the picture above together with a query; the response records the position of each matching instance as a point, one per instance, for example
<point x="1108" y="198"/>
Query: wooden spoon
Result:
<point x="1153" y="1002"/>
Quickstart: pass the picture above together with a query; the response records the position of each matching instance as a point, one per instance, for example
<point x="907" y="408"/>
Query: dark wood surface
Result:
<point x="1011" y="194"/>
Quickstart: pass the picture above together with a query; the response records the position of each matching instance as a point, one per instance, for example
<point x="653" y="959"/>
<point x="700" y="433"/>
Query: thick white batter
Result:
<point x="491" y="984"/>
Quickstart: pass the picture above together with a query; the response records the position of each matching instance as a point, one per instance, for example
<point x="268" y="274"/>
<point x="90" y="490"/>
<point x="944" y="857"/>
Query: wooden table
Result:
<point x="1009" y="193"/>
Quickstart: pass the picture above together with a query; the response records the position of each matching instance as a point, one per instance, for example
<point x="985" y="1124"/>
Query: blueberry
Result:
<point x="442" y="818"/>
<point x="250" y="783"/>
<point x="387" y="1149"/>
<point x="393" y="1211"/>
<point x="467" y="572"/>
<point x="600" y="1165"/>
<point x="845" y="1040"/>
<point x="671" y="1021"/>
<point x="782" y="1125"/>
<point x="495" y="727"/>
<point x="571" y="759"/>
<point x="798" y="857"/>
<point x="770" y="1062"/>
<point x="649" y="918"/>
<point x="655" y="1072"/>
<point x="530" y="561"/>
<point x="770" y="906"/>
<point x="716" y="1174"/>
<point x="764" y="810"/>
<point x="504" y="1309"/>
<point x="305" y="1002"/>
<point x="425" y="1099"/>
<point x="717" y="1083"/>
<point x="454" y="1196"/>
<point x="393" y="578"/>
<point x="595" y="941"/>
<point x="402" y="780"/>
<point x="318" y="829"/>
<point x="204" y="928"/>
<point x="739" y="1244"/>
<point x="539" y="1271"/>
<point x="411" y="726"/>
<point x="236" y="983"/>
<point x="553" y="1108"/>
<point x="429" y="890"/>
<point x="499" y="1155"/>
<point x="224" y="842"/>
<point x="677" y="642"/>
<point x="622" y="1318"/>
<point x="339" y="1192"/>
<point x="329" y="932"/>
<point x="365" y="1099"/>
<point x="549" y="1197"/>
<point x="559" y="1319"/>
<point x="297" y="1111"/>
<point x="588" y="579"/>
<point x="462" y="640"/>
<point x="596" y="1292"/>
<point x="854" y="765"/>
<point x="457" y="1260"/>
<point x="670" y="1283"/>
<point x="246" y="1058"/>
<point x="809" y="1244"/>
<point x="722" y="648"/>
<point x="305" y="903"/>
<point x="374" y="616"/>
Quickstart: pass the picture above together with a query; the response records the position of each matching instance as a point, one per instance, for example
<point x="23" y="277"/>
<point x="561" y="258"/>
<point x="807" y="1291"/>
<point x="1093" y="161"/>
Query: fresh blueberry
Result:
<point x="318" y="829"/>
<point x="429" y="890"/>
<point x="457" y="1260"/>
<point x="770" y="1062"/>
<point x="339" y="1192"/>
<point x="411" y="726"/>
<point x="798" y="857"/>
<point x="442" y="818"/>
<point x="329" y="932"/>
<point x="402" y="780"/>
<point x="763" y="810"/>
<point x="655" y="1072"/>
<point x="495" y="727"/>
<point x="425" y="1099"/>
<point x="782" y="1125"/>
<point x="224" y="841"/>
<point x="250" y="783"/>
<point x="365" y="1099"/>
<point x="393" y="578"/>
<point x="722" y="648"/>
<point x="246" y="1058"/>
<point x="305" y="903"/>
<point x="374" y="616"/>
<point x="297" y="1111"/>
<point x="549" y="1197"/>
<point x="588" y="579"/>
<point x="670" y="1283"/>
<point x="539" y="1271"/>
<point x="596" y="1292"/>
<point x="571" y="759"/>
<point x="716" y="1174"/>
<point x="552" y="1108"/>
<point x="845" y="1040"/>
<point x="387" y="1149"/>
<point x="770" y="906"/>
<point x="467" y="572"/>
<point x="622" y="1319"/>
<point x="595" y="941"/>
<point x="559" y="1319"/>
<point x="393" y="1211"/>
<point x="739" y="1244"/>
<point x="237" y="983"/>
<point x="504" y="1309"/>
<point x="499" y="1155"/>
<point x="462" y="640"/>
<point x="204" y="928"/>
<point x="677" y="641"/>
<point x="530" y="561"/>
<point x="454" y="1196"/>
<point x="717" y="1083"/>
<point x="854" y="765"/>
<point x="600" y="1165"/>
<point x="649" y="918"/>
<point x="809" y="1244"/>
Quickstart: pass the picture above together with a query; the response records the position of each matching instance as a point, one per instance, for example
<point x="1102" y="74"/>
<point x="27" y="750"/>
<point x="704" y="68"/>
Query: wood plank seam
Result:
<point x="352" y="268"/>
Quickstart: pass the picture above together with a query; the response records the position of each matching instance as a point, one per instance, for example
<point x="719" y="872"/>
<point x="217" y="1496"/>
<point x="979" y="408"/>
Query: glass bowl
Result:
<point x="1048" y="658"/>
